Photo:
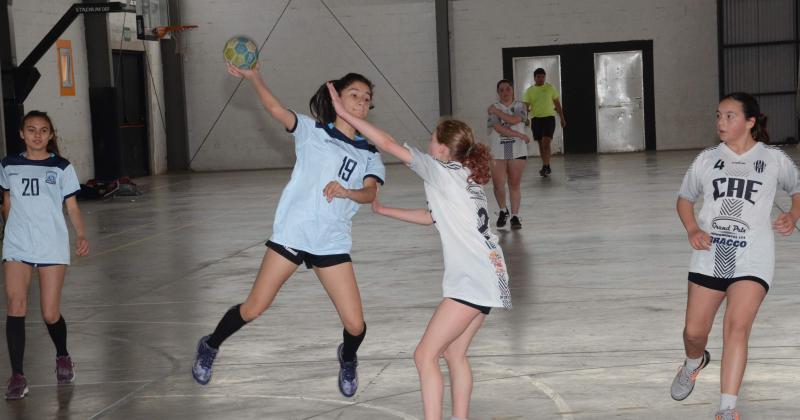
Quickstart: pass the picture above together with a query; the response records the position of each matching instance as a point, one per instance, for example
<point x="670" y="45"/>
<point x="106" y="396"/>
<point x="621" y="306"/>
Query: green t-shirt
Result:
<point x="540" y="99"/>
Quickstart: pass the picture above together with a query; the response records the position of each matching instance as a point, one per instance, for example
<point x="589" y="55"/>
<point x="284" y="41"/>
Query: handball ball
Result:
<point x="242" y="52"/>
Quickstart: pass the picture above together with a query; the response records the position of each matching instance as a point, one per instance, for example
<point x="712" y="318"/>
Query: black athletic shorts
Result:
<point x="298" y="257"/>
<point x="484" y="309"/>
<point x="32" y="264"/>
<point x="717" y="283"/>
<point x="522" y="158"/>
<point x="543" y="127"/>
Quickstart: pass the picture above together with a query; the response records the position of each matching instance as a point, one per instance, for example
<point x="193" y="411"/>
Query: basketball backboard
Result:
<point x="150" y="14"/>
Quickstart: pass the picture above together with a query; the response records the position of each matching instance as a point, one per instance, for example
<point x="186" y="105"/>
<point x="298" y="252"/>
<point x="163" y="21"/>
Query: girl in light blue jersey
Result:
<point x="336" y="171"/>
<point x="37" y="184"/>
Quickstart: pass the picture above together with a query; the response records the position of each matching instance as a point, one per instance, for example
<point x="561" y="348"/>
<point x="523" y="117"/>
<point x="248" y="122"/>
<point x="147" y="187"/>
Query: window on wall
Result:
<point x="759" y="51"/>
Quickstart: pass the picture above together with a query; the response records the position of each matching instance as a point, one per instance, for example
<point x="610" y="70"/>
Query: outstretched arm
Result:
<point x="270" y="102"/>
<point x="418" y="216"/>
<point x="381" y="139"/>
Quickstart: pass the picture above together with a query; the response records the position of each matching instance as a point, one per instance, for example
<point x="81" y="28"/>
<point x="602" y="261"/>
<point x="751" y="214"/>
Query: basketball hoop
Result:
<point x="161" y="31"/>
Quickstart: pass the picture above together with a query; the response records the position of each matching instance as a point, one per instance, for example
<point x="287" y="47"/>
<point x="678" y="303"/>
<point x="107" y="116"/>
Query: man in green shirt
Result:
<point x="542" y="101"/>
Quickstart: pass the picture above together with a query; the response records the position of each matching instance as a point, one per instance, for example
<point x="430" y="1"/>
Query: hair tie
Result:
<point x="469" y="149"/>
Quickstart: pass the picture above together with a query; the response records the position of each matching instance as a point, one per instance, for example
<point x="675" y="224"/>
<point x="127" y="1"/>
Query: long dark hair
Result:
<point x="320" y="104"/>
<point x="52" y="144"/>
<point x="751" y="109"/>
<point x="459" y="138"/>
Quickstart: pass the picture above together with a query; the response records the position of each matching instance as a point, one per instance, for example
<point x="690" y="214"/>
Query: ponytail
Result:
<point x="458" y="137"/>
<point x="478" y="161"/>
<point x="759" y="130"/>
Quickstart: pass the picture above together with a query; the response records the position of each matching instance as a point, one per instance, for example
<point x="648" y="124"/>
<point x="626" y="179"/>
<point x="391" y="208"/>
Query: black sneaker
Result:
<point x="543" y="172"/>
<point x="515" y="223"/>
<point x="547" y="170"/>
<point x="501" y="218"/>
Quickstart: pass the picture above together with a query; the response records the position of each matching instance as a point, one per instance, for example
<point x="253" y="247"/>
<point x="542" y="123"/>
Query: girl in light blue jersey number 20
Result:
<point x="336" y="171"/>
<point x="475" y="276"/>
<point x="37" y="184"/>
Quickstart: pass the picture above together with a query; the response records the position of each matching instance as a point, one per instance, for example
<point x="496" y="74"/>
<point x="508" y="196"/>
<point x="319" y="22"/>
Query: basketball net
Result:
<point x="161" y="31"/>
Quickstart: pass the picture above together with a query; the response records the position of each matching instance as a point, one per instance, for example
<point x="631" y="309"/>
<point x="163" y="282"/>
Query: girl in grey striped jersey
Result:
<point x="732" y="237"/>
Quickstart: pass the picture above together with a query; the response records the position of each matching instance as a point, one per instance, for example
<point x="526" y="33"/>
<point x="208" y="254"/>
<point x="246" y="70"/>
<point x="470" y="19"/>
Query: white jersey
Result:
<point x="36" y="231"/>
<point x="738" y="193"/>
<point x="504" y="147"/>
<point x="474" y="267"/>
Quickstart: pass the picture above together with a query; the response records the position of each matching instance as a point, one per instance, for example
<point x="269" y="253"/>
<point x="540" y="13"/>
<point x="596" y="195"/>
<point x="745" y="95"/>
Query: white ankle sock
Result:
<point x="505" y="210"/>
<point x="727" y="402"/>
<point x="456" y="418"/>
<point x="692" y="364"/>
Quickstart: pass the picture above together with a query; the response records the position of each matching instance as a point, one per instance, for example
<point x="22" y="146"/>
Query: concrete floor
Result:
<point x="598" y="282"/>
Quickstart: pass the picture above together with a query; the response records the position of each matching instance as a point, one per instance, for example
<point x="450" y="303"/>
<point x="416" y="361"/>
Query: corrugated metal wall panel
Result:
<point x="761" y="69"/>
<point x="748" y="21"/>
<point x="741" y="69"/>
<point x="782" y="122"/>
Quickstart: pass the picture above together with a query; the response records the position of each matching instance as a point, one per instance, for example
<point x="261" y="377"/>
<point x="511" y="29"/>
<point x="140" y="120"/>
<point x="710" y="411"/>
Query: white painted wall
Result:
<point x="309" y="46"/>
<point x="32" y="19"/>
<point x="684" y="34"/>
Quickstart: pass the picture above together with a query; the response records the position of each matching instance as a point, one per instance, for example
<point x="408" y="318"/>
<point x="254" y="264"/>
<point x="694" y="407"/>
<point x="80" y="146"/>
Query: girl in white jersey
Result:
<point x="37" y="184"/>
<point x="509" y="145"/>
<point x="336" y="170"/>
<point x="475" y="277"/>
<point x="733" y="242"/>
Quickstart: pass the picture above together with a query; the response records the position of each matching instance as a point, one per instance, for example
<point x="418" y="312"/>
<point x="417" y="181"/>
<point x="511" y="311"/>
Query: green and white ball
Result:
<point x="242" y="52"/>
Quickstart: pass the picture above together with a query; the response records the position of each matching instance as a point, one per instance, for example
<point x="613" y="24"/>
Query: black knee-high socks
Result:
<point x="58" y="333"/>
<point x="15" y="336"/>
<point x="351" y="344"/>
<point x="231" y="322"/>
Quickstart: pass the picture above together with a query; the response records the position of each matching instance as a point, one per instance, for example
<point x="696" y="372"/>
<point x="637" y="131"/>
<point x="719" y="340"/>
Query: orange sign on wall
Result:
<point x="66" y="73"/>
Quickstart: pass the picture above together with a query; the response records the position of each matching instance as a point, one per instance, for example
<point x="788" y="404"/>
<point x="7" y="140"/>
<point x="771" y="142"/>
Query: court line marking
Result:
<point x="345" y="404"/>
<point x="564" y="410"/>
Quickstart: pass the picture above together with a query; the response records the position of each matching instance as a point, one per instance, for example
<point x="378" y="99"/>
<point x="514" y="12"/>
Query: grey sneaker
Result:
<point x="65" y="372"/>
<point x="683" y="384"/>
<point x="729" y="414"/>
<point x="348" y="374"/>
<point x="203" y="362"/>
<point x="17" y="387"/>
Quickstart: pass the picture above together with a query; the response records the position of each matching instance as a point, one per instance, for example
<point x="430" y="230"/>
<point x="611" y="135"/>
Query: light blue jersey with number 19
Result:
<point x="305" y="220"/>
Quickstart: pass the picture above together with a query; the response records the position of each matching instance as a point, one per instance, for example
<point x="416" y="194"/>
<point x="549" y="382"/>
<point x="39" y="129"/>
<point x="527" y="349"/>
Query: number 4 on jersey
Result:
<point x="719" y="165"/>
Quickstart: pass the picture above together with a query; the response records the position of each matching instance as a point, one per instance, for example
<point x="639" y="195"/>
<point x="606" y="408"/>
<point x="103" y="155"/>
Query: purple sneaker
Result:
<point x="17" y="387"/>
<point x="203" y="362"/>
<point x="65" y="373"/>
<point x="348" y="375"/>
